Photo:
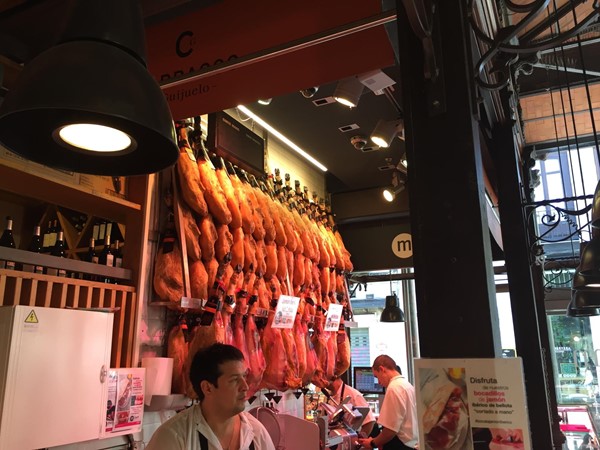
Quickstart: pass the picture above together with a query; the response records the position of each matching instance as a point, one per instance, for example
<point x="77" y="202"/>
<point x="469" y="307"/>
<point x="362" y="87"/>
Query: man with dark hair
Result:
<point x="218" y="422"/>
<point x="339" y="390"/>
<point x="398" y="414"/>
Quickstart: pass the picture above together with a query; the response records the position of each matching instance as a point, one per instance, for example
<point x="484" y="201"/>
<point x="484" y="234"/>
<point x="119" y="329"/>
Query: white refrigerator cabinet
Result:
<point x="53" y="366"/>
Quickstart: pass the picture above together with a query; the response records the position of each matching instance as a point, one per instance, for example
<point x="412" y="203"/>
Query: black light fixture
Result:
<point x="582" y="282"/>
<point x="589" y="264"/>
<point x="386" y="130"/>
<point x="585" y="299"/>
<point x="573" y="311"/>
<point x="392" y="311"/>
<point x="88" y="104"/>
<point x="348" y="91"/>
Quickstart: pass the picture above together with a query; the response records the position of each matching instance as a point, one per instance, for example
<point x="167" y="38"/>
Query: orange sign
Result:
<point x="228" y="30"/>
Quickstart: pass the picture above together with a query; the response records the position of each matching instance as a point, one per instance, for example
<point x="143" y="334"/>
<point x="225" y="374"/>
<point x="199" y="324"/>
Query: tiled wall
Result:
<point x="555" y="116"/>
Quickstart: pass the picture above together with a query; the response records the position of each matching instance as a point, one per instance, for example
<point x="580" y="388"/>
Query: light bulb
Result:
<point x="95" y="138"/>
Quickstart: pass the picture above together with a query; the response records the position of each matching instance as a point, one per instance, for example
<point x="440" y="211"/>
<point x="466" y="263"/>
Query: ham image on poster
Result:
<point x="445" y="417"/>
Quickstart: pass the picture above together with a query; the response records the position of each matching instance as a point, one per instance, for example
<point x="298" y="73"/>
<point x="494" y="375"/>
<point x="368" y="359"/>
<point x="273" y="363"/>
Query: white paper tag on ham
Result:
<point x="334" y="315"/>
<point x="285" y="313"/>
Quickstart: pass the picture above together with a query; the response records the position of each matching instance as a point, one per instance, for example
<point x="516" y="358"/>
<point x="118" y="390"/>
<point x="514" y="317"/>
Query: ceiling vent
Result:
<point x="371" y="148"/>
<point x="350" y="127"/>
<point x="324" y="101"/>
<point x="388" y="166"/>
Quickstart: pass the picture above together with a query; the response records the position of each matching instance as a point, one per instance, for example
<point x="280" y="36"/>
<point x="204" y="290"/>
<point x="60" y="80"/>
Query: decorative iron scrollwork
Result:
<point x="504" y="55"/>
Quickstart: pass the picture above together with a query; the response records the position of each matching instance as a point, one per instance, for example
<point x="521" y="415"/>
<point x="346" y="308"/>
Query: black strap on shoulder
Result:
<point x="204" y="442"/>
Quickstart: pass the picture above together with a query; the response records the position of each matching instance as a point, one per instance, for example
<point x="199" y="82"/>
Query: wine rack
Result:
<point x="30" y="289"/>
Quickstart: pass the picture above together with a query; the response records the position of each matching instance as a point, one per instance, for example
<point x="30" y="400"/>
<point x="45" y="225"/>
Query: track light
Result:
<point x="386" y="130"/>
<point x="309" y="92"/>
<point x="391" y="192"/>
<point x="67" y="111"/>
<point x="348" y="92"/>
<point x="265" y="101"/>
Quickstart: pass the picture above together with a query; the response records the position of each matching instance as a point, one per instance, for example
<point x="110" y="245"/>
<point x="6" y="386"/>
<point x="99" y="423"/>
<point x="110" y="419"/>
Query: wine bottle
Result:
<point x="35" y="246"/>
<point x="59" y="251"/>
<point x="7" y="240"/>
<point x="91" y="257"/>
<point x="46" y="239"/>
<point x="53" y="236"/>
<point x="118" y="255"/>
<point x="106" y="257"/>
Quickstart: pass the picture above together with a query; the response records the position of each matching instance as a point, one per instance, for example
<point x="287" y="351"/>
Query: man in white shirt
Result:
<point x="218" y="422"/>
<point x="398" y="413"/>
<point x="341" y="390"/>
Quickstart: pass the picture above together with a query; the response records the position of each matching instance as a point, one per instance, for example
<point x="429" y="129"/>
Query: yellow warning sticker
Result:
<point x="31" y="317"/>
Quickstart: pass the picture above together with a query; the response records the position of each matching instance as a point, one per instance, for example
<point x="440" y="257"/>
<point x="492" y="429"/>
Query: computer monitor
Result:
<point x="365" y="381"/>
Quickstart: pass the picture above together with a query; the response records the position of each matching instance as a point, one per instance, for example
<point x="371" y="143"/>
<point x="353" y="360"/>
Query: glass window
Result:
<point x="575" y="358"/>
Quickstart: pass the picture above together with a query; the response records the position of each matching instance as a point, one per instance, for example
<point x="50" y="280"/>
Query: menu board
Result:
<point x="468" y="403"/>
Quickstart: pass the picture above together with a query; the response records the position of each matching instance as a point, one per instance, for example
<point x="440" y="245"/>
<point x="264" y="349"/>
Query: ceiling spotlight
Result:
<point x="391" y="192"/>
<point x="398" y="185"/>
<point x="309" y="92"/>
<point x="265" y="101"/>
<point x="66" y="111"/>
<point x="348" y="92"/>
<point x="403" y="165"/>
<point x="386" y="130"/>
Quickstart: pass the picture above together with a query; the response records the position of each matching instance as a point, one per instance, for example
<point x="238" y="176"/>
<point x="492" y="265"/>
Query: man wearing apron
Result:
<point x="218" y="422"/>
<point x="398" y="414"/>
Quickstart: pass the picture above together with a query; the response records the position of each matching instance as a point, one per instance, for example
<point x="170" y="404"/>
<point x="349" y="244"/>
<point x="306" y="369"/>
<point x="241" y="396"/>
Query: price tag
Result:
<point x="334" y="315"/>
<point x="285" y="313"/>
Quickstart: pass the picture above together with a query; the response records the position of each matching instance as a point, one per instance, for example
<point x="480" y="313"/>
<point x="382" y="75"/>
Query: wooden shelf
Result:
<point x="64" y="194"/>
<point x="70" y="265"/>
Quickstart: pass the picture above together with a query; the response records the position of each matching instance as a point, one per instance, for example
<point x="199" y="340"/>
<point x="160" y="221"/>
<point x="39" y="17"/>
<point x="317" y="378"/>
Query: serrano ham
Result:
<point x="213" y="193"/>
<point x="168" y="271"/>
<point x="177" y="348"/>
<point x="189" y="177"/>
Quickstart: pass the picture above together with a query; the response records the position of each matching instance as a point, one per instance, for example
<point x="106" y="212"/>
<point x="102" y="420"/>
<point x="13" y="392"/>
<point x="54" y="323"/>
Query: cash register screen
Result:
<point x="365" y="381"/>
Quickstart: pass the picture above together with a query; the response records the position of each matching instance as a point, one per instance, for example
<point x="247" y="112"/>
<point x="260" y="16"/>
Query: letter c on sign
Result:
<point x="178" y="44"/>
<point x="402" y="246"/>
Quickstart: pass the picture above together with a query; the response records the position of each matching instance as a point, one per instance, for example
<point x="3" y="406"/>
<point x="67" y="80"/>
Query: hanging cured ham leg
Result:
<point x="177" y="348"/>
<point x="189" y="177"/>
<point x="256" y="357"/>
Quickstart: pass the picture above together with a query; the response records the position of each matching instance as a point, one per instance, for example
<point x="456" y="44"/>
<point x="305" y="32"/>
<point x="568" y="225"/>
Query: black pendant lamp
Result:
<point x="92" y="84"/>
<point x="585" y="299"/>
<point x="573" y="311"/>
<point x="392" y="311"/>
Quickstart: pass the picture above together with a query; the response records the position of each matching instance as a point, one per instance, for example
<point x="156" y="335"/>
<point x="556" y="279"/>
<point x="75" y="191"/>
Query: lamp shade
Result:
<point x="96" y="75"/>
<point x="596" y="207"/>
<point x="573" y="311"/>
<point x="392" y="312"/>
<point x="590" y="259"/>
<point x="585" y="299"/>
<point x="585" y="282"/>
